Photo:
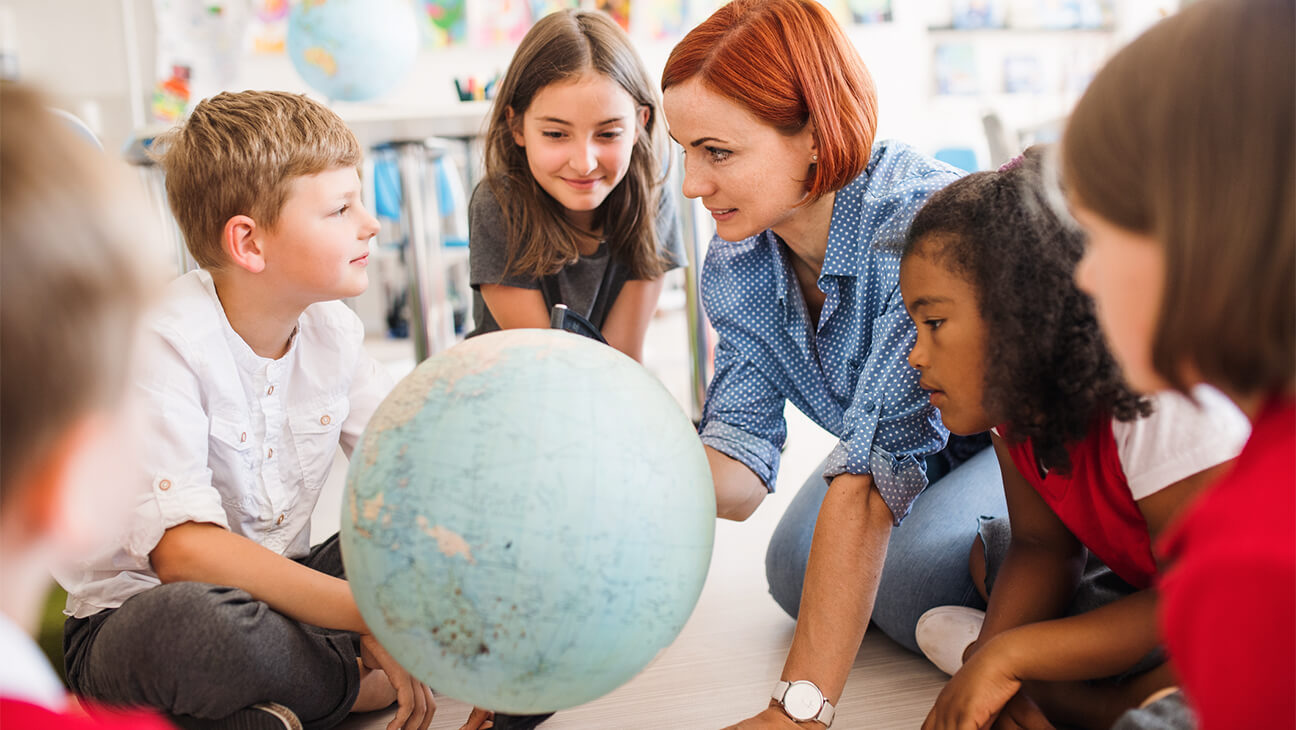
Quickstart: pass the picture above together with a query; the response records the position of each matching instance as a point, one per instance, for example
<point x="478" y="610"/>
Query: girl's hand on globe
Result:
<point x="414" y="703"/>
<point x="479" y="719"/>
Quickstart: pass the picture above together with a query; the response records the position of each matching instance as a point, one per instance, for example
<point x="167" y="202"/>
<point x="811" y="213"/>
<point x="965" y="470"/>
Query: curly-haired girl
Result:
<point x="1006" y="340"/>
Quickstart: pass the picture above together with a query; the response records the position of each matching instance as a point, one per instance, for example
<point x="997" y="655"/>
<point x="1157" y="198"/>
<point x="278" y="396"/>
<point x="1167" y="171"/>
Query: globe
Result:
<point x="528" y="521"/>
<point x="352" y="50"/>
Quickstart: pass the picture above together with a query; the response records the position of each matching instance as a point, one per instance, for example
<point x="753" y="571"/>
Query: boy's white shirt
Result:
<point x="25" y="673"/>
<point x="234" y="439"/>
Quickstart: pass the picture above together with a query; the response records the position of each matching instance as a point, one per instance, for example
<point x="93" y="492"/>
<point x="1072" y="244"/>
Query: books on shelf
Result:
<point x="956" y="69"/>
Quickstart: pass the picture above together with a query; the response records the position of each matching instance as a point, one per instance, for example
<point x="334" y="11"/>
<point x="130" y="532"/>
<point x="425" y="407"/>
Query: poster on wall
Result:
<point x="541" y="8"/>
<point x="499" y="22"/>
<point x="839" y="9"/>
<point x="199" y="51"/>
<point x="870" y="11"/>
<point x="269" y="26"/>
<point x="445" y="22"/>
<point x="667" y="19"/>
<point x="618" y="9"/>
<point x="955" y="66"/>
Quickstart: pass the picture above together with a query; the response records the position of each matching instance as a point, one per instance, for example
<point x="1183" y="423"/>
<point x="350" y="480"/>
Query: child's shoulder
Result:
<point x="188" y="308"/>
<point x="333" y="325"/>
<point x="1183" y="435"/>
<point x="483" y="200"/>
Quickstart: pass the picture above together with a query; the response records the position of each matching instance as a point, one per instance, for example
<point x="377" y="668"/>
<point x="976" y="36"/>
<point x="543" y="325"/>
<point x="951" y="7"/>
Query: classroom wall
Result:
<point x="79" y="50"/>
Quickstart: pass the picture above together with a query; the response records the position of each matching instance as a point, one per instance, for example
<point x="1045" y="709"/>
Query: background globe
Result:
<point x="528" y="520"/>
<point x="352" y="50"/>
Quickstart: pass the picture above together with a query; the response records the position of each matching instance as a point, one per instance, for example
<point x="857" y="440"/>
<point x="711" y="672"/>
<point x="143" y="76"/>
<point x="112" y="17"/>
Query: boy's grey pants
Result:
<point x="209" y="651"/>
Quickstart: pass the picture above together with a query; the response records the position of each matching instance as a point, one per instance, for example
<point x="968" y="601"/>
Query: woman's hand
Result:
<point x="773" y="718"/>
<point x="976" y="695"/>
<point x="414" y="703"/>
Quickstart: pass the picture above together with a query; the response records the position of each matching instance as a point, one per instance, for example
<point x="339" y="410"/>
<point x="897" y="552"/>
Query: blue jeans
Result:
<point x="927" y="557"/>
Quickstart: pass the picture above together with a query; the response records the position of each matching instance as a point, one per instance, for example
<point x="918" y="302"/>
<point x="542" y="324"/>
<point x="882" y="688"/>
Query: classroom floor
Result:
<point x="724" y="663"/>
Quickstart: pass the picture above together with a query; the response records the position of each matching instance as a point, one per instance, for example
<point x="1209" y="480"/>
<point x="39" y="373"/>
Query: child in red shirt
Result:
<point x="1005" y="338"/>
<point x="1188" y="205"/>
<point x="72" y="292"/>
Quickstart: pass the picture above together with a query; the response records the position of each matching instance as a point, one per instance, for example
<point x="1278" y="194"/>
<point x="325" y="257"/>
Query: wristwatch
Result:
<point x="803" y="702"/>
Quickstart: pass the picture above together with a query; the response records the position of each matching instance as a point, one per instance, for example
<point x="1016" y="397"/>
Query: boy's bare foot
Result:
<point x="376" y="691"/>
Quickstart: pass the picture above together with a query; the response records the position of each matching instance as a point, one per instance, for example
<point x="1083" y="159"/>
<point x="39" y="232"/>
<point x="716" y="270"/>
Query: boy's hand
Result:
<point x="977" y="693"/>
<point x="479" y="719"/>
<point x="414" y="703"/>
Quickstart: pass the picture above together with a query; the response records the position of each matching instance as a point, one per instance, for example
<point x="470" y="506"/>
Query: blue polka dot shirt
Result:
<point x="851" y="375"/>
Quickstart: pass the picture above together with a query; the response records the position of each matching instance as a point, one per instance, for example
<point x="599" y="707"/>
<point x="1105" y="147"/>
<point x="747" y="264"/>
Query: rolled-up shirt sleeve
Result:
<point x="890" y="427"/>
<point x="174" y="451"/>
<point x="743" y="416"/>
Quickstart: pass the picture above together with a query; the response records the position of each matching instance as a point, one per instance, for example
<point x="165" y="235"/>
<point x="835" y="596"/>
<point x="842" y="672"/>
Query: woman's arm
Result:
<point x="514" y="307"/>
<point x="738" y="490"/>
<point x="841" y="581"/>
<point x="627" y="320"/>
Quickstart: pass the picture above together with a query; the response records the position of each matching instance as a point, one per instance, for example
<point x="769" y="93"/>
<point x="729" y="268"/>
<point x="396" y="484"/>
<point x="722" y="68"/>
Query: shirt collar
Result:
<point x="244" y="355"/>
<point x="842" y="258"/>
<point x="781" y="266"/>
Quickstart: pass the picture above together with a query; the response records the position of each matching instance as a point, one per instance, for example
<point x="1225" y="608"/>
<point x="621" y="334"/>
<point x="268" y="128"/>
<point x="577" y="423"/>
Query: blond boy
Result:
<point x="215" y="607"/>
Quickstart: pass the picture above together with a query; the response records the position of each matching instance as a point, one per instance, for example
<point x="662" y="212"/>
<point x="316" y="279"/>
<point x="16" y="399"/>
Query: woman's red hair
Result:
<point x="789" y="64"/>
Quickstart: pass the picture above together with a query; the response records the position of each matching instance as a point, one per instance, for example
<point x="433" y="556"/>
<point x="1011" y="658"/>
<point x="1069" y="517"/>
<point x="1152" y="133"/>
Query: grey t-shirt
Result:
<point x="577" y="285"/>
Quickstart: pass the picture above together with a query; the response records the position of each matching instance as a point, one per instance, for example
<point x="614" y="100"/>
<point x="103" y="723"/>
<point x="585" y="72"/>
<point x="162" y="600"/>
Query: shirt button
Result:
<point x="280" y="520"/>
<point x="325" y="420"/>
<point x="270" y="390"/>
<point x="870" y="407"/>
<point x="164" y="485"/>
<point x="243" y="437"/>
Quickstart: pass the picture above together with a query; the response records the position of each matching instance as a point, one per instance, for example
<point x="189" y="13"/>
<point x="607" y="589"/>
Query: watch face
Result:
<point x="802" y="701"/>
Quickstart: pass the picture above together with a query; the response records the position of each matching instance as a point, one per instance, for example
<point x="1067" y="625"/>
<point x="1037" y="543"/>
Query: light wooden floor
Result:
<point x="724" y="663"/>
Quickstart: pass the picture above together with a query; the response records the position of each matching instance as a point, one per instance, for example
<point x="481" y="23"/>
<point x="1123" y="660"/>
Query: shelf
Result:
<point x="1011" y="30"/>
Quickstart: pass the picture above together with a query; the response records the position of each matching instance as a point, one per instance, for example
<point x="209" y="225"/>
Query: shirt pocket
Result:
<point x="229" y="451"/>
<point x="315" y="434"/>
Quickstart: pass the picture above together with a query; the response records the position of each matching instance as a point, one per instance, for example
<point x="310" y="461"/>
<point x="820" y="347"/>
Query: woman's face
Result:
<point x="949" y="353"/>
<point x="748" y="174"/>
<point x="1124" y="272"/>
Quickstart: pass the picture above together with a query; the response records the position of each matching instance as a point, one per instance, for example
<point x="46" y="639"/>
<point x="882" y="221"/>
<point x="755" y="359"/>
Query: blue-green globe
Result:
<point x="528" y="520"/>
<point x="352" y="50"/>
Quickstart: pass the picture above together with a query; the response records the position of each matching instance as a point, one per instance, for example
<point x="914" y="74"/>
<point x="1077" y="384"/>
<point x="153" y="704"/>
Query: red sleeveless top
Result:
<point x="1094" y="502"/>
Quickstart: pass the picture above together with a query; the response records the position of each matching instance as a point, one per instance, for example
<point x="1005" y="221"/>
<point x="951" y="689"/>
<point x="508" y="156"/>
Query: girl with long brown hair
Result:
<point x="572" y="209"/>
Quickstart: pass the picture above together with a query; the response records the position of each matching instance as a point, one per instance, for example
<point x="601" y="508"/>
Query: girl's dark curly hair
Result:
<point x="1048" y="371"/>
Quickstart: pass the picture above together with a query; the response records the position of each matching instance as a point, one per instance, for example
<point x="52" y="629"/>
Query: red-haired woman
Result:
<point x="776" y="114"/>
